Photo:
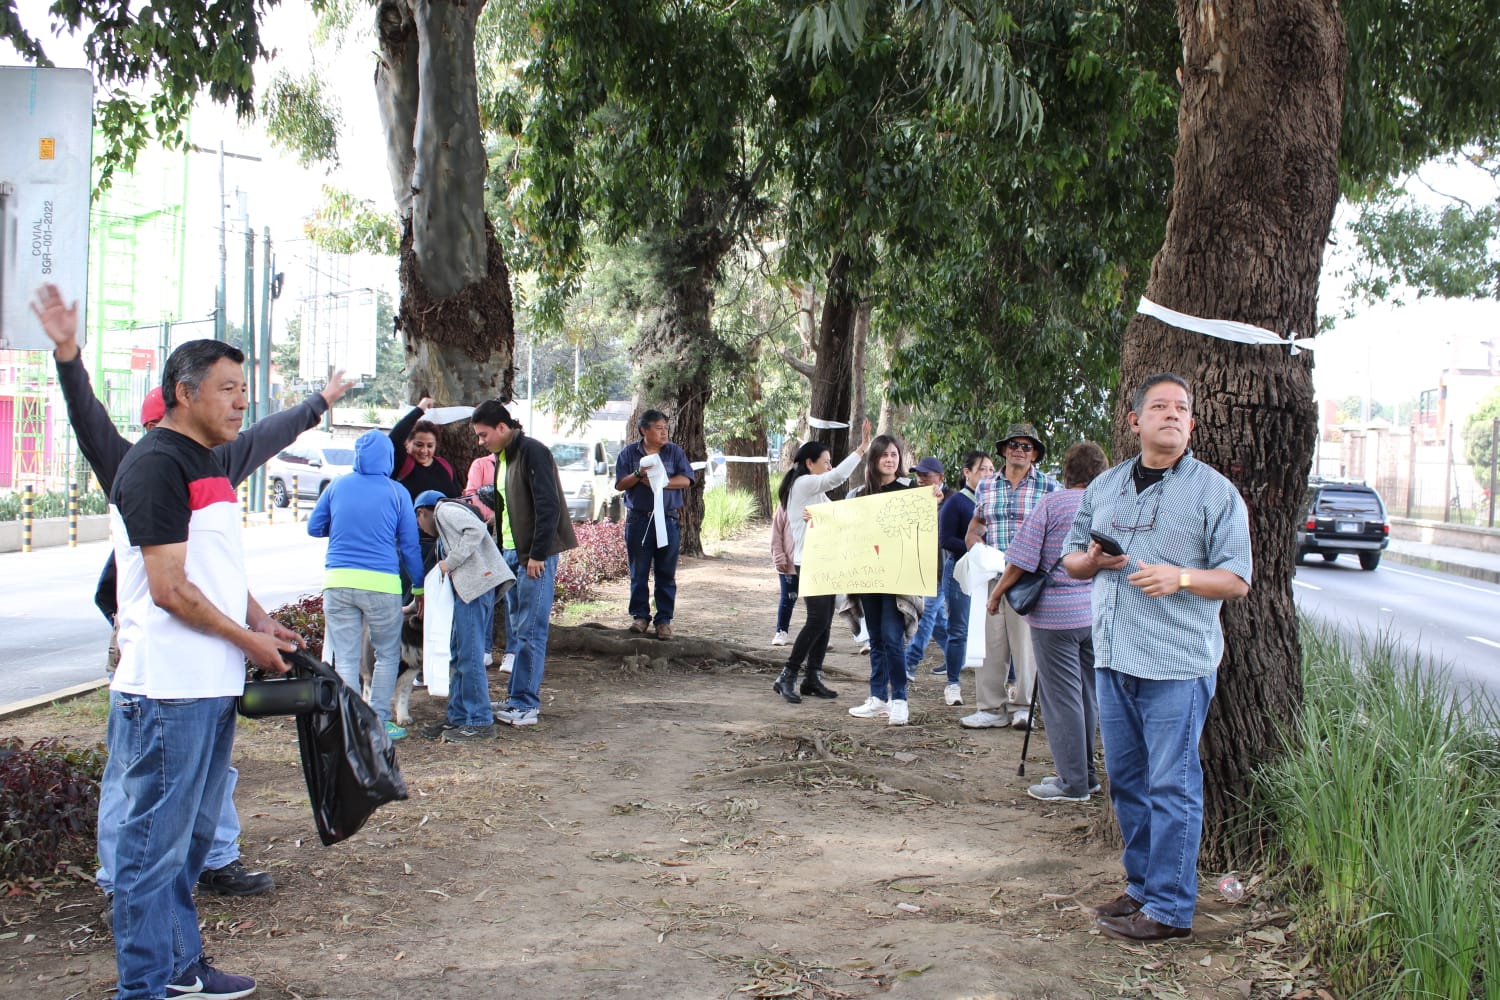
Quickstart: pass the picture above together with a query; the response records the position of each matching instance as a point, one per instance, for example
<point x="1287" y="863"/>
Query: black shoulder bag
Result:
<point x="1024" y="594"/>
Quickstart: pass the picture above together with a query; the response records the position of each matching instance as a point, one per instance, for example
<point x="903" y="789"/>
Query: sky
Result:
<point x="1391" y="352"/>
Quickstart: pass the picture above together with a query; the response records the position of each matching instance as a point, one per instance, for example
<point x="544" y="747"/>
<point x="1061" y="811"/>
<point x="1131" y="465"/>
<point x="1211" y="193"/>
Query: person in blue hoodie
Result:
<point x="371" y="528"/>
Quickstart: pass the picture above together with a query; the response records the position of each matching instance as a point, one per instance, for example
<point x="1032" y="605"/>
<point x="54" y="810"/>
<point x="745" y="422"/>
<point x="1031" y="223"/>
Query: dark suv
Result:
<point x="1340" y="517"/>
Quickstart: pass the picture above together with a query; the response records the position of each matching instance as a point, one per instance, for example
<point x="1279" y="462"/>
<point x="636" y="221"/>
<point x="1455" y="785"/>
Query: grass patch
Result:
<point x="582" y="611"/>
<point x="92" y="707"/>
<point x="1389" y="811"/>
<point x="726" y="512"/>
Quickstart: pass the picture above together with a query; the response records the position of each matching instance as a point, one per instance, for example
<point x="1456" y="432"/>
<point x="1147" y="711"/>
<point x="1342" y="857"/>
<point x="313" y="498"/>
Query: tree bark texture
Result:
<point x="1256" y="183"/>
<point x="460" y="338"/>
<point x="678" y="345"/>
<point x="857" y="367"/>
<point x="833" y="377"/>
<point x="752" y="477"/>
<point x="449" y="233"/>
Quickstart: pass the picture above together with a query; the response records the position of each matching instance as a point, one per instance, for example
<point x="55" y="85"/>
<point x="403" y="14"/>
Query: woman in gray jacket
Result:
<point x="467" y="556"/>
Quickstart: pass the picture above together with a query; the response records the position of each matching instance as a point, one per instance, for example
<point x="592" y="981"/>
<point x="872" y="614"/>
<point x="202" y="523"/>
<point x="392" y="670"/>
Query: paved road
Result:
<point x="54" y="637"/>
<point x="1452" y="619"/>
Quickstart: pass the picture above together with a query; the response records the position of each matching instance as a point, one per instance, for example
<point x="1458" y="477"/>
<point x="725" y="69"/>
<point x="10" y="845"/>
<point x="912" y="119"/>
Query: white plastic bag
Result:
<point x="437" y="631"/>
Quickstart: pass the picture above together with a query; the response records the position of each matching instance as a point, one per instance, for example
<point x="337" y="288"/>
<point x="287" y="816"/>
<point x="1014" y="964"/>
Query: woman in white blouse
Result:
<point x="812" y="474"/>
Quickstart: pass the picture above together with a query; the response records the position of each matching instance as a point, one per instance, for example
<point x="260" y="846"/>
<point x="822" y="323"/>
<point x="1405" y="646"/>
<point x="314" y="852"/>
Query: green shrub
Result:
<point x="1389" y="811"/>
<point x="53" y="504"/>
<point x="49" y="806"/>
<point x="305" y="617"/>
<point x="725" y="512"/>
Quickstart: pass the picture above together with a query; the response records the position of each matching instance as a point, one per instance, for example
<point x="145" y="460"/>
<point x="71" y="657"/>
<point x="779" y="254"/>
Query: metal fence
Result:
<point x="1426" y="479"/>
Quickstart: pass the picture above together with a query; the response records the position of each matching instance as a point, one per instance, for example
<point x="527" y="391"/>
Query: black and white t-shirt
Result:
<point x="169" y="490"/>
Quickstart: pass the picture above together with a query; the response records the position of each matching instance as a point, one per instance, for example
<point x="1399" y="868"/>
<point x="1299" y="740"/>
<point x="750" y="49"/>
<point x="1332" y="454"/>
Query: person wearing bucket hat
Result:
<point x="1001" y="504"/>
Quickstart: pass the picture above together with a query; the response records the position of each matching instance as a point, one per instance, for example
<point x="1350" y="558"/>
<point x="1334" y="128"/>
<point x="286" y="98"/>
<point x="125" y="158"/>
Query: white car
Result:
<point x="311" y="462"/>
<point x="587" y="471"/>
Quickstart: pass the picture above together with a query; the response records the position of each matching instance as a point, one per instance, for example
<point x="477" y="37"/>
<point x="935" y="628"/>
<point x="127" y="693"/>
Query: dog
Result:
<point x="406" y="674"/>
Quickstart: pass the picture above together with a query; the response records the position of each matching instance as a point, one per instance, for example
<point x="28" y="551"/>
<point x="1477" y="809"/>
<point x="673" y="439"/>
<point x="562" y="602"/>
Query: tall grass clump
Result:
<point x="725" y="512"/>
<point x="1388" y="805"/>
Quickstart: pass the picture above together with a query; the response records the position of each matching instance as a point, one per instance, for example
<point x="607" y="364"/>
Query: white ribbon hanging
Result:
<point x="656" y="476"/>
<point x="822" y="424"/>
<point x="1224" y="329"/>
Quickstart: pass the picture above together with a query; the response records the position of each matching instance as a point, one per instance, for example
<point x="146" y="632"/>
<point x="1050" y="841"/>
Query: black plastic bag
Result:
<point x="349" y="762"/>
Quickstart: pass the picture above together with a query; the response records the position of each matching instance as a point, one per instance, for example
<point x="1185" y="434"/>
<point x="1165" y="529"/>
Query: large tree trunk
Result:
<point x="752" y="477"/>
<point x="455" y="314"/>
<point x="832" y="380"/>
<point x="678" y="346"/>
<point x="1254" y="193"/>
<point x="858" y="405"/>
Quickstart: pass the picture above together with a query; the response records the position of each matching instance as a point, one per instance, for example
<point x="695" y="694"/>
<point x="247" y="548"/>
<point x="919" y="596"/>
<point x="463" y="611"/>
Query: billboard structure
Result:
<point x="44" y="194"/>
<point x="338" y="331"/>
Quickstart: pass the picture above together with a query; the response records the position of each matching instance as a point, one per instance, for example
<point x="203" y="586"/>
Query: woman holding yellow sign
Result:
<point x="812" y="474"/>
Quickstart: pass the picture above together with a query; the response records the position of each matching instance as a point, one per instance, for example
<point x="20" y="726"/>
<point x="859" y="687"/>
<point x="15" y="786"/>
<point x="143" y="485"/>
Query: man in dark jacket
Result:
<point x="532" y="527"/>
<point x="104" y="447"/>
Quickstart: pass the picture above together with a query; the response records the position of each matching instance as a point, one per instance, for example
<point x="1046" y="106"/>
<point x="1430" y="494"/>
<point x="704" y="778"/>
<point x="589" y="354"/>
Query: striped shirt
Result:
<point x="1002" y="507"/>
<point x="1038" y="545"/>
<point x="1193" y="518"/>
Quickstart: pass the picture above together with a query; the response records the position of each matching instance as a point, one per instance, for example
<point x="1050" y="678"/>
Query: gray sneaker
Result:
<point x="1056" y="779"/>
<point x="436" y="731"/>
<point x="518" y="716"/>
<point x="1054" y="793"/>
<point x="468" y="734"/>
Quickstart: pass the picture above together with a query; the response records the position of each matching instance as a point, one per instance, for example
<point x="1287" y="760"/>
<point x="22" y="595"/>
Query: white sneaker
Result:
<point x="984" y="720"/>
<point x="780" y="638"/>
<point x="507" y="663"/>
<point x="489" y="658"/>
<point x="1021" y="720"/>
<point x="953" y="694"/>
<point x="864" y="648"/>
<point x="897" y="712"/>
<point x="873" y="708"/>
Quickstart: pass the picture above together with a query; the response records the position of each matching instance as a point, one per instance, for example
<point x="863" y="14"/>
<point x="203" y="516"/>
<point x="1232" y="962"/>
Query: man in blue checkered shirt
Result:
<point x="1185" y="535"/>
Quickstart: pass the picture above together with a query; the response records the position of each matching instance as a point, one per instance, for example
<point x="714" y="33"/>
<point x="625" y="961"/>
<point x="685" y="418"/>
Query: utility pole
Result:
<point x="253" y="413"/>
<point x="220" y="298"/>
<point x="269" y="289"/>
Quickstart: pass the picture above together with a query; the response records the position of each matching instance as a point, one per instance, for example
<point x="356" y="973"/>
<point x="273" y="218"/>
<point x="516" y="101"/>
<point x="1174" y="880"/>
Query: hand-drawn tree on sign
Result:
<point x="902" y="517"/>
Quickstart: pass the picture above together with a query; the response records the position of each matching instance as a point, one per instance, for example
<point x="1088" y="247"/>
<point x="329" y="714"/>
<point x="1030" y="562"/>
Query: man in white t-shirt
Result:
<point x="187" y="625"/>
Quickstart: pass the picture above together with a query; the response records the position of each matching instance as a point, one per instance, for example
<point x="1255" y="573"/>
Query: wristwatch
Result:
<point x="1184" y="579"/>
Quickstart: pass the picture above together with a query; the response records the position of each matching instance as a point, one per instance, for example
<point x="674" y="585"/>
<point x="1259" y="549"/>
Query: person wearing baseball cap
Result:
<point x="153" y="408"/>
<point x="1000" y="506"/>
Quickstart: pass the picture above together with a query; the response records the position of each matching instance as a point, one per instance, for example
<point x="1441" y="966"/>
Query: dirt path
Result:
<point x="667" y="833"/>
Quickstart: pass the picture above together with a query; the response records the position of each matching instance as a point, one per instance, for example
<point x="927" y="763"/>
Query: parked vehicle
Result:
<point x="1340" y="516"/>
<point x="311" y="462"/>
<point x="588" y="477"/>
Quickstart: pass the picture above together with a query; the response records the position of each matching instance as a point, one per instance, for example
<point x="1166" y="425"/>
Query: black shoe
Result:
<point x="468" y="734"/>
<point x="786" y="685"/>
<point x="436" y="730"/>
<point x="234" y="879"/>
<point x="812" y="684"/>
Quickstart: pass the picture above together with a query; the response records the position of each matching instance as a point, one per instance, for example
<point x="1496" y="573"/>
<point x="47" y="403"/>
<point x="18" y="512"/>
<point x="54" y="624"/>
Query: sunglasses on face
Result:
<point x="1020" y="446"/>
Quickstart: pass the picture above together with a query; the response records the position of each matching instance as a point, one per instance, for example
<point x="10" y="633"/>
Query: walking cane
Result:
<point x="1030" y="725"/>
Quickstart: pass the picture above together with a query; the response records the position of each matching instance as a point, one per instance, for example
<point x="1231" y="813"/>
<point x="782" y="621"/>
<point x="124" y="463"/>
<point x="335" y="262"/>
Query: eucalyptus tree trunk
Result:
<point x="752" y="477"/>
<point x="857" y="366"/>
<point x="455" y="312"/>
<point x="677" y="346"/>
<point x="833" y="375"/>
<point x="1253" y="198"/>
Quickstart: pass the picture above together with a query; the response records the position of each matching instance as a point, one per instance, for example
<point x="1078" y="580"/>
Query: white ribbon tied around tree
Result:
<point x="1224" y="329"/>
<point x="656" y="477"/>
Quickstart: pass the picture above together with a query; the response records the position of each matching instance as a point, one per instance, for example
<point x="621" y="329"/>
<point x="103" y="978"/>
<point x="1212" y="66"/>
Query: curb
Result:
<point x="18" y="708"/>
<point x="1443" y="566"/>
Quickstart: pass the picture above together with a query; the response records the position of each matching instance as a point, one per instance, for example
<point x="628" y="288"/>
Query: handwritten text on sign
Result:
<point x="881" y="544"/>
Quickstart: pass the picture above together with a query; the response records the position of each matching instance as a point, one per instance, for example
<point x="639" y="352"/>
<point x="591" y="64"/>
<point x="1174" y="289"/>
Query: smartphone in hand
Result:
<point x="1107" y="544"/>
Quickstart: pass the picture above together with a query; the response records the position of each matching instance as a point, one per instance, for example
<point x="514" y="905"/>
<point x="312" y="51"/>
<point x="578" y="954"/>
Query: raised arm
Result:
<point x="268" y="435"/>
<point x="99" y="439"/>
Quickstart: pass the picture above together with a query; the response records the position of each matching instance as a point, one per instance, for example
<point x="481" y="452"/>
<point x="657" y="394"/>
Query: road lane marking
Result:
<point x="1438" y="579"/>
<point x="1309" y="586"/>
<point x="1487" y="642"/>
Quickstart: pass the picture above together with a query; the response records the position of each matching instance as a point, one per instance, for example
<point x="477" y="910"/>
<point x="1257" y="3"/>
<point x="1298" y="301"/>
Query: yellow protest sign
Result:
<point x="881" y="544"/>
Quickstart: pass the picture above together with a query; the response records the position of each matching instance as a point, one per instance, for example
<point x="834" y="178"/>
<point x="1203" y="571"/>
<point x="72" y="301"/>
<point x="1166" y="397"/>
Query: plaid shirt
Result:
<point x="1002" y="507"/>
<point x="1193" y="518"/>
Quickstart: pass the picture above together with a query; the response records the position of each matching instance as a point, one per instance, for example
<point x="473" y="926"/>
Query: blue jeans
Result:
<point x="226" y="845"/>
<point x="788" y="601"/>
<point x="468" y="685"/>
<point x="529" y="623"/>
<point x="1151" y="731"/>
<point x="956" y="648"/>
<point x="347" y="614"/>
<point x="644" y="556"/>
<point x="175" y="757"/>
<point x="887" y="646"/>
<point x="934" y="621"/>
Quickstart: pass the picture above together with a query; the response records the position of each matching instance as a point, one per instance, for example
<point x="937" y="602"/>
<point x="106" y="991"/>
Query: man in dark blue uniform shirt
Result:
<point x="650" y="472"/>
